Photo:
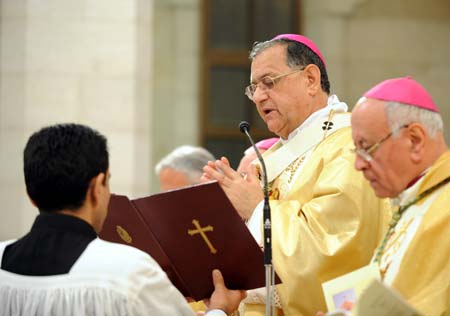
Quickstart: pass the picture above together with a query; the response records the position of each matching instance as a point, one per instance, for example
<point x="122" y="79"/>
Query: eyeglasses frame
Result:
<point x="275" y="80"/>
<point x="365" y="153"/>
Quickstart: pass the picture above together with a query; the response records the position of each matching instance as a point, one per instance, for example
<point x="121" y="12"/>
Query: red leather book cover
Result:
<point x="196" y="230"/>
<point x="125" y="225"/>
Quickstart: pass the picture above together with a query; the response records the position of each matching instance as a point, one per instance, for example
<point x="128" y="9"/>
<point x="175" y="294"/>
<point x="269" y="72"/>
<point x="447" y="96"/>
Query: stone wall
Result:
<point x="74" y="61"/>
<point x="366" y="41"/>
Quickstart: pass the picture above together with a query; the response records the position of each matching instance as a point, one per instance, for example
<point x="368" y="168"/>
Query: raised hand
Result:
<point x="244" y="192"/>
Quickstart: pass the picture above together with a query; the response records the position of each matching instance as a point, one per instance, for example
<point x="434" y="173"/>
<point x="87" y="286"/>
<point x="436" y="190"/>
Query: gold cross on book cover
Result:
<point x="202" y="231"/>
<point x="189" y="232"/>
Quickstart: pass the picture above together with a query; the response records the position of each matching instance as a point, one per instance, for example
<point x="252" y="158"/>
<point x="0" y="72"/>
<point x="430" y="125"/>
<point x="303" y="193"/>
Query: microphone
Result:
<point x="244" y="127"/>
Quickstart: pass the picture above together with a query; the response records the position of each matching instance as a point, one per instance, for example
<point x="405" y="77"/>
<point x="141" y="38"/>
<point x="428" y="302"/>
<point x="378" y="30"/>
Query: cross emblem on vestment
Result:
<point x="201" y="230"/>
<point x="327" y="125"/>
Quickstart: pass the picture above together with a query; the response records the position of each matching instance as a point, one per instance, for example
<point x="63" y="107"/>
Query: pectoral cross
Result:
<point x="201" y="230"/>
<point x="327" y="125"/>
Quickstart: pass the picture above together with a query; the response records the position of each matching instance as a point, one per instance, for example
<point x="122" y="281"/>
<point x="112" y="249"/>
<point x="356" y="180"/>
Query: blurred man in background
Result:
<point x="182" y="167"/>
<point x="250" y="154"/>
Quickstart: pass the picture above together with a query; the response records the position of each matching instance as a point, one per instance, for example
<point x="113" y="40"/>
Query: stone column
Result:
<point x="176" y="78"/>
<point x="74" y="61"/>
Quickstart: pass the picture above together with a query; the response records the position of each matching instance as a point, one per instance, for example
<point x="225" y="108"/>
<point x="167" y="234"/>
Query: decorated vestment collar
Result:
<point x="309" y="134"/>
<point x="437" y="176"/>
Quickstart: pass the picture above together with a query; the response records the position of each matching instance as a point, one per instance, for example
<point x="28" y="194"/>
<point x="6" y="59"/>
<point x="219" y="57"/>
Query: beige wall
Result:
<point x="74" y="61"/>
<point x="175" y="110"/>
<point x="367" y="41"/>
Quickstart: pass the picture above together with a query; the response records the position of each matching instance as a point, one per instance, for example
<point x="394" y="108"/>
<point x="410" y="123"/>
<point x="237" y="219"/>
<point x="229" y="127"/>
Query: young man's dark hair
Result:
<point x="59" y="163"/>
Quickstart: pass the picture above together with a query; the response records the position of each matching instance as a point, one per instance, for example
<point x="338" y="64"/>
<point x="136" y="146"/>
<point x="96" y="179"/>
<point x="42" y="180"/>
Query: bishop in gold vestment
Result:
<point x="423" y="272"/>
<point x="401" y="150"/>
<point x="326" y="220"/>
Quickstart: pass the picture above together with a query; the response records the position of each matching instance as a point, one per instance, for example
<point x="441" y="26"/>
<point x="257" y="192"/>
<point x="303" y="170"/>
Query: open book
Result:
<point x="189" y="232"/>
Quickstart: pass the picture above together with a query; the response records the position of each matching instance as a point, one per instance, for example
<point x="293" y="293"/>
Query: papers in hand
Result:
<point x="342" y="293"/>
<point x="362" y="293"/>
<point x="378" y="299"/>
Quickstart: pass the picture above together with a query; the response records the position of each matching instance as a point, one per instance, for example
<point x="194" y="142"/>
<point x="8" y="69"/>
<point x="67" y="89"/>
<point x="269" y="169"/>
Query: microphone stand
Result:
<point x="269" y="270"/>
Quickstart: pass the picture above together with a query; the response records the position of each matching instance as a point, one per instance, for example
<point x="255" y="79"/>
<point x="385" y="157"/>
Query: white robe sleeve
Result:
<point x="255" y="221"/>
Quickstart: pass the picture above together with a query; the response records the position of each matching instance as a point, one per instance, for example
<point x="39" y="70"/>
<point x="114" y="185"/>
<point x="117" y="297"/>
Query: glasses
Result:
<point x="266" y="83"/>
<point x="366" y="153"/>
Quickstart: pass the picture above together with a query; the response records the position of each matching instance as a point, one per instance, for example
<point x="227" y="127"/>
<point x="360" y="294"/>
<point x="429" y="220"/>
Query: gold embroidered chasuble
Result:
<point x="423" y="277"/>
<point x="326" y="220"/>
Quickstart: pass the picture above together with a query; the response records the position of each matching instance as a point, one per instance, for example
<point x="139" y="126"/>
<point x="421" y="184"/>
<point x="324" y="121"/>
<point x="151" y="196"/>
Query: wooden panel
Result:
<point x="233" y="149"/>
<point x="227" y="103"/>
<point x="228" y="24"/>
<point x="274" y="17"/>
<point x="229" y="28"/>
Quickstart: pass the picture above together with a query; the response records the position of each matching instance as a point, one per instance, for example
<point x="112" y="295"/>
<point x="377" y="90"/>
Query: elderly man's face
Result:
<point x="387" y="171"/>
<point x="170" y="179"/>
<point x="285" y="106"/>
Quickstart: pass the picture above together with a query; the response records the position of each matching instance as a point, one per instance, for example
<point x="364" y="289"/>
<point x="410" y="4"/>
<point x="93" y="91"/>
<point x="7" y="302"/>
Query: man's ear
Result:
<point x="417" y="136"/>
<point x="95" y="188"/>
<point x="312" y="73"/>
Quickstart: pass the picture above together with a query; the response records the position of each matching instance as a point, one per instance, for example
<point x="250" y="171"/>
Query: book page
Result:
<point x="342" y="293"/>
<point x="378" y="299"/>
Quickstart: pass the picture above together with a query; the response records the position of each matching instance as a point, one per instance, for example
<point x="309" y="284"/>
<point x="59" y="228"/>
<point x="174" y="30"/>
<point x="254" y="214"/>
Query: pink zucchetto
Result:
<point x="304" y="40"/>
<point x="267" y="143"/>
<point x="403" y="90"/>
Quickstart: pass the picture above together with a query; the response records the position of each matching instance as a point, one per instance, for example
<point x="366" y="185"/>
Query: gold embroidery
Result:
<point x="259" y="171"/>
<point x="202" y="231"/>
<point x="330" y="116"/>
<point x="274" y="194"/>
<point x="281" y="185"/>
<point x="392" y="246"/>
<point x="292" y="168"/>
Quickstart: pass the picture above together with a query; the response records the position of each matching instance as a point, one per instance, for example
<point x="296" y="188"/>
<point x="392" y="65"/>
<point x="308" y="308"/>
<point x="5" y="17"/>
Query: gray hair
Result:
<point x="259" y="47"/>
<point x="399" y="114"/>
<point x="188" y="159"/>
